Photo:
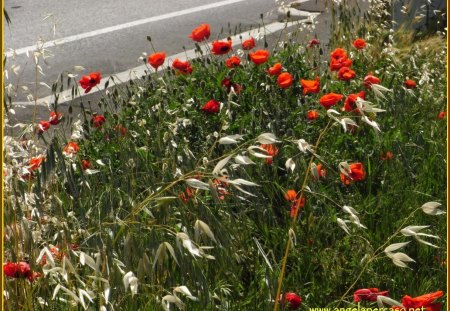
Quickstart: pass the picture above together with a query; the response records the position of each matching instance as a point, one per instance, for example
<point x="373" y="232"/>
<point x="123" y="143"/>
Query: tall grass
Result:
<point x="169" y="216"/>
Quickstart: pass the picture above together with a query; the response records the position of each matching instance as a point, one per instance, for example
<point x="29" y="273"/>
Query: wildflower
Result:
<point x="410" y="84"/>
<point x="310" y="86"/>
<point x="338" y="64"/>
<point x="229" y="84"/>
<point x="312" y="115"/>
<point x="156" y="59"/>
<point x="120" y="129"/>
<point x="442" y="115"/>
<point x="186" y="195"/>
<point x="330" y="99"/>
<point x="34" y="163"/>
<point x="221" y="47"/>
<point x="221" y="187"/>
<point x="249" y="44"/>
<point x="213" y="106"/>
<point x="313" y="42"/>
<point x="56" y="254"/>
<point x="296" y="205"/>
<point x="275" y="70"/>
<point x="386" y="156"/>
<point x="354" y="173"/>
<point x="201" y="33"/>
<point x="182" y="67"/>
<point x="424" y="302"/>
<point x="339" y="59"/>
<point x="338" y="53"/>
<point x="350" y="102"/>
<point x="55" y="117"/>
<point x="294" y="301"/>
<point x="284" y="80"/>
<point x="43" y="126"/>
<point x="271" y="150"/>
<point x="259" y="57"/>
<point x="290" y="195"/>
<point x="71" y="148"/>
<point x="368" y="294"/>
<point x="318" y="171"/>
<point x="98" y="121"/>
<point x="232" y="62"/>
<point x="346" y="74"/>
<point x="359" y="44"/>
<point x="88" y="82"/>
<point x="85" y="164"/>
<point x="370" y="79"/>
<point x="20" y="270"/>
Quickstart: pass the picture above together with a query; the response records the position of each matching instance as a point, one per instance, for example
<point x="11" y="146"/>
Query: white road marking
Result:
<point x="138" y="72"/>
<point x="121" y="26"/>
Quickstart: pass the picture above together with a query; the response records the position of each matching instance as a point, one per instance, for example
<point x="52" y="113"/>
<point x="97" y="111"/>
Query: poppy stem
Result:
<point x="294" y="218"/>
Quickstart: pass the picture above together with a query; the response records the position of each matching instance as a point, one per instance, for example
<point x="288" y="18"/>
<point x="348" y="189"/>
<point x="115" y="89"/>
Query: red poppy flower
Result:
<point x="275" y="70"/>
<point x="310" y="86"/>
<point x="386" y="156"/>
<point x="249" y="44"/>
<point x="34" y="163"/>
<point x="284" y="80"/>
<point x="271" y="150"/>
<point x="85" y="164"/>
<point x="290" y="195"/>
<point x="410" y="84"/>
<point x="221" y="47"/>
<point x="259" y="57"/>
<point x="368" y="294"/>
<point x="10" y="269"/>
<point x="186" y="195"/>
<point x="71" y="148"/>
<point x="232" y="62"/>
<point x="338" y="53"/>
<point x="201" y="33"/>
<point x="182" y="67"/>
<point x="321" y="171"/>
<point x="330" y="99"/>
<point x="359" y="44"/>
<point x="356" y="173"/>
<point x="98" y="121"/>
<point x="229" y="84"/>
<point x="370" y="79"/>
<point x="312" y="115"/>
<point x="213" y="106"/>
<point x="19" y="270"/>
<point x="296" y="205"/>
<point x="313" y="42"/>
<point x="156" y="59"/>
<point x="120" y="129"/>
<point x="346" y="74"/>
<point x="55" y="117"/>
<point x="43" y="126"/>
<point x="339" y="59"/>
<point x="337" y="64"/>
<point x="293" y="300"/>
<point x="350" y="101"/>
<point x="442" y="115"/>
<point x="88" y="82"/>
<point x="221" y="188"/>
<point x="426" y="301"/>
<point x="56" y="254"/>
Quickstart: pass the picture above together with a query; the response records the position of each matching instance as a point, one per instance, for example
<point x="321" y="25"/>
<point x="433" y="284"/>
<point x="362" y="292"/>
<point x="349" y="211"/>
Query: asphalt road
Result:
<point x="118" y="49"/>
<point x="107" y="37"/>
